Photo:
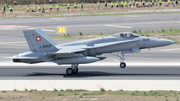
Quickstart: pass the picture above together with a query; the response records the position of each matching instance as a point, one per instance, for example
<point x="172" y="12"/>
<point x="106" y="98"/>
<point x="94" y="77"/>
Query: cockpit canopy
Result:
<point x="125" y="35"/>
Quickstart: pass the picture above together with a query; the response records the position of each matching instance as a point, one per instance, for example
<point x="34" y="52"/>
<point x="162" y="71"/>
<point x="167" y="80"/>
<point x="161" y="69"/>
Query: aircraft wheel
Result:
<point x="69" y="71"/>
<point x="75" y="70"/>
<point x="122" y="65"/>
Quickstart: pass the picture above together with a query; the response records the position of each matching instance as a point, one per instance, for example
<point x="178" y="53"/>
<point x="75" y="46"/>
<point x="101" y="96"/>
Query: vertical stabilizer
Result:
<point x="38" y="41"/>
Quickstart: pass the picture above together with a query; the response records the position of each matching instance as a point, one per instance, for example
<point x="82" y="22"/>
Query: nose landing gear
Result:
<point x="122" y="65"/>
<point x="122" y="58"/>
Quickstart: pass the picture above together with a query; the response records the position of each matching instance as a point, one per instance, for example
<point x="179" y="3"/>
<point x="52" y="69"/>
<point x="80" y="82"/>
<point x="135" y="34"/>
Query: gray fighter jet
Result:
<point x="44" y="49"/>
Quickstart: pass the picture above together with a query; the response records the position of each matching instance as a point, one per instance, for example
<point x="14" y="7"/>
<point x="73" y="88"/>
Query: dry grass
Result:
<point x="90" y="95"/>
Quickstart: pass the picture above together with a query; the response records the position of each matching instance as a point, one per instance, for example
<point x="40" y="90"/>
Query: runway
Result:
<point x="90" y="73"/>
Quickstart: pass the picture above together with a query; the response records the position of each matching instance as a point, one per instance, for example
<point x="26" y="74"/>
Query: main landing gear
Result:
<point x="72" y="70"/>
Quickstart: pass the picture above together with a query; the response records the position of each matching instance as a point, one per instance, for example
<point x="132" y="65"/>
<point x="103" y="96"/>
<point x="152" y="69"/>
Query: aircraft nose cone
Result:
<point x="164" y="42"/>
<point x="172" y="42"/>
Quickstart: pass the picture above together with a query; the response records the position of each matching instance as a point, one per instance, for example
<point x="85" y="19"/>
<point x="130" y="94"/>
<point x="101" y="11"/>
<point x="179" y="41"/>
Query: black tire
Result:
<point x="75" y="70"/>
<point x="122" y="65"/>
<point x="69" y="71"/>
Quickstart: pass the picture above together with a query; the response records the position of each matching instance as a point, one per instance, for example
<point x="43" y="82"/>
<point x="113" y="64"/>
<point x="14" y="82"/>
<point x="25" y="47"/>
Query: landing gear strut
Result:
<point x="122" y="58"/>
<point x="73" y="70"/>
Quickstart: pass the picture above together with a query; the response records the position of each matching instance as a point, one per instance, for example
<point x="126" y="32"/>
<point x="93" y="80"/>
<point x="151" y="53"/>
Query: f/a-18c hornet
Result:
<point x="44" y="49"/>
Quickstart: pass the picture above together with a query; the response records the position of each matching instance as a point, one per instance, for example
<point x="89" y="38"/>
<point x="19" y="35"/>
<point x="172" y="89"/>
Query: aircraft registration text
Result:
<point x="45" y="46"/>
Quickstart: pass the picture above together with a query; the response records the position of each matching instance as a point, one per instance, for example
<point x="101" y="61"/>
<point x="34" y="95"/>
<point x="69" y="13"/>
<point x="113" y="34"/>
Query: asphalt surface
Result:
<point x="90" y="73"/>
<point x="13" y="42"/>
<point x="92" y="24"/>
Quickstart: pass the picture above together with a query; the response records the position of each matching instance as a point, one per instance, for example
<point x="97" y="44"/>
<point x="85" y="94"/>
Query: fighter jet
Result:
<point x="44" y="49"/>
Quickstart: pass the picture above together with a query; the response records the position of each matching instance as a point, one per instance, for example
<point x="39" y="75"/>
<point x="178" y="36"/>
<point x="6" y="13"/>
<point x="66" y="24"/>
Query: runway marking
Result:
<point x="48" y="30"/>
<point x="57" y="18"/>
<point x="11" y="26"/>
<point x="146" y="23"/>
<point x="131" y="16"/>
<point x="7" y="28"/>
<point x="12" y="42"/>
<point x="112" y="59"/>
<point x="45" y="30"/>
<point x="170" y="49"/>
<point x="118" y="26"/>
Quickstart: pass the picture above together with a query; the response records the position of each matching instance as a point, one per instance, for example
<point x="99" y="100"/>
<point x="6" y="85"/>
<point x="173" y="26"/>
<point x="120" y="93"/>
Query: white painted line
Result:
<point x="45" y="30"/>
<point x="31" y="28"/>
<point x="48" y="30"/>
<point x="7" y="28"/>
<point x="11" y="26"/>
<point x="12" y="42"/>
<point x="57" y="18"/>
<point x="118" y="26"/>
<point x="170" y="49"/>
<point x="131" y="16"/>
<point x="91" y="85"/>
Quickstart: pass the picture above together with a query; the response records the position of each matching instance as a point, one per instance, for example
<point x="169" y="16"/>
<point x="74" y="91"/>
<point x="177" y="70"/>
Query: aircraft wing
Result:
<point x="111" y="43"/>
<point x="74" y="50"/>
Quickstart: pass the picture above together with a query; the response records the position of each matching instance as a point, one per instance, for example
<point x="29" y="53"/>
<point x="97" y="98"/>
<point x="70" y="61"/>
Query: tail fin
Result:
<point x="38" y="41"/>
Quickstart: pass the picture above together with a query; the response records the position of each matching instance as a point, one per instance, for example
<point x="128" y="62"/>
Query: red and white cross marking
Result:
<point x="38" y="38"/>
